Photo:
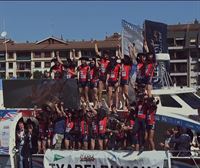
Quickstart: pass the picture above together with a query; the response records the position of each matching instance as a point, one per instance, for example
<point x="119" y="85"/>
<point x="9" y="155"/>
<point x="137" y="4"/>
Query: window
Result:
<point x="10" y="65"/>
<point x="192" y="100"/>
<point x="24" y="56"/>
<point x="192" y="42"/>
<point x="10" y="56"/>
<point x="2" y="56"/>
<point x="10" y="75"/>
<point x="37" y="64"/>
<point x="47" y="64"/>
<point x="2" y="66"/>
<point x="168" y="101"/>
<point x="47" y="54"/>
<point x="180" y="41"/>
<point x="37" y="55"/>
<point x="170" y="41"/>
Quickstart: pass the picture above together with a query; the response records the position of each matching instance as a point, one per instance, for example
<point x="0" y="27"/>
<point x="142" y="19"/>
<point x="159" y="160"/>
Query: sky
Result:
<point x="36" y="20"/>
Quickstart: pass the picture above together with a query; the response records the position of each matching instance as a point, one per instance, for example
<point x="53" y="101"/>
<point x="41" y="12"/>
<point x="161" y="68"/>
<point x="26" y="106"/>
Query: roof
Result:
<point x="51" y="39"/>
<point x="184" y="27"/>
<point x="44" y="46"/>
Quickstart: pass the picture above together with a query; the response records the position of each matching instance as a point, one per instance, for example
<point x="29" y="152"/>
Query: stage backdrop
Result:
<point x="27" y="93"/>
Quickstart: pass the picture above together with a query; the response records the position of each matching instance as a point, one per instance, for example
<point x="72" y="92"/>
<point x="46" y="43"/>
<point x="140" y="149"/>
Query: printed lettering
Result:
<point x="52" y="165"/>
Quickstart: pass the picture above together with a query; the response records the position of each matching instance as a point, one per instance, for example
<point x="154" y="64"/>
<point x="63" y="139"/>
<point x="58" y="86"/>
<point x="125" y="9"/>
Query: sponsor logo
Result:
<point x="87" y="158"/>
<point x="57" y="157"/>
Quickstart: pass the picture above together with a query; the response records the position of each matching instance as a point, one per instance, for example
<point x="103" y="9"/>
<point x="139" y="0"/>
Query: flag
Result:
<point x="156" y="36"/>
<point x="131" y="34"/>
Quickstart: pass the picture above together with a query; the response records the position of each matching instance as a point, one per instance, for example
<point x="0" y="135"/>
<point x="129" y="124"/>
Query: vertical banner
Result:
<point x="131" y="34"/>
<point x="156" y="36"/>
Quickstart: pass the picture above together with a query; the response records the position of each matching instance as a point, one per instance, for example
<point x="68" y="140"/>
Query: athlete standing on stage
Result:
<point x="103" y="65"/>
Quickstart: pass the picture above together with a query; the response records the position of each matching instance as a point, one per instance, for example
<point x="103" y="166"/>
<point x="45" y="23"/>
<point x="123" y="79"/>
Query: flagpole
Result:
<point x="122" y="43"/>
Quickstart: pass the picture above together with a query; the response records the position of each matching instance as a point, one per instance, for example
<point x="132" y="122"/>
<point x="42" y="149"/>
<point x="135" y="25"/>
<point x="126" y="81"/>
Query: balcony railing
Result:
<point x="23" y="57"/>
<point x="3" y="58"/>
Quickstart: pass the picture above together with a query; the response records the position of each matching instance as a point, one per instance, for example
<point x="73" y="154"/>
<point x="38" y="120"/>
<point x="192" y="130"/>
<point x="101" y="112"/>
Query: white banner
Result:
<point x="103" y="159"/>
<point x="131" y="34"/>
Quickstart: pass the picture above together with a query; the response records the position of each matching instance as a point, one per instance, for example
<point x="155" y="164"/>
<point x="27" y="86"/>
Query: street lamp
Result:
<point x="4" y="34"/>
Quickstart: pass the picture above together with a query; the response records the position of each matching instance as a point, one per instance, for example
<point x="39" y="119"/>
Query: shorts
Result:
<point x="42" y="137"/>
<point x="134" y="139"/>
<point x="93" y="85"/>
<point x="148" y="80"/>
<point x="76" y="138"/>
<point x="112" y="83"/>
<point x="103" y="136"/>
<point x="94" y="136"/>
<point x="124" y="82"/>
<point x="83" y="84"/>
<point x="68" y="136"/>
<point x="103" y="78"/>
<point x="85" y="138"/>
<point x="150" y="127"/>
<point x="141" y="80"/>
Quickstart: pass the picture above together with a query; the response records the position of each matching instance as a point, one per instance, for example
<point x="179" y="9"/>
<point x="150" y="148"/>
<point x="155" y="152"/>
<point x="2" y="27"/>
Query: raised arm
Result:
<point x="132" y="52"/>
<point x="92" y="109"/>
<point x="146" y="48"/>
<point x="120" y="56"/>
<point x="58" y="57"/>
<point x="74" y="57"/>
<point x="96" y="49"/>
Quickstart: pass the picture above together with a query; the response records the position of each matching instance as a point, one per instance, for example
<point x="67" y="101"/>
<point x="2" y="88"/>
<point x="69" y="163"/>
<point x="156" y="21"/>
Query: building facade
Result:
<point x="184" y="50"/>
<point x="22" y="59"/>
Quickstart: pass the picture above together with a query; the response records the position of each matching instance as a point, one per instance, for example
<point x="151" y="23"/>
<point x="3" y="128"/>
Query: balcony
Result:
<point x="23" y="58"/>
<point x="2" y="68"/>
<point x="2" y="58"/>
<point x="179" y="61"/>
<point x="178" y="74"/>
<point x="175" y="48"/>
<point x="23" y="69"/>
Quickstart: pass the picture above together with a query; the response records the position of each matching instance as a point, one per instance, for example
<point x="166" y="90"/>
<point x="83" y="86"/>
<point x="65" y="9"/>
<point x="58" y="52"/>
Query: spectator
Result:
<point x="182" y="142"/>
<point x="166" y="144"/>
<point x="20" y="142"/>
